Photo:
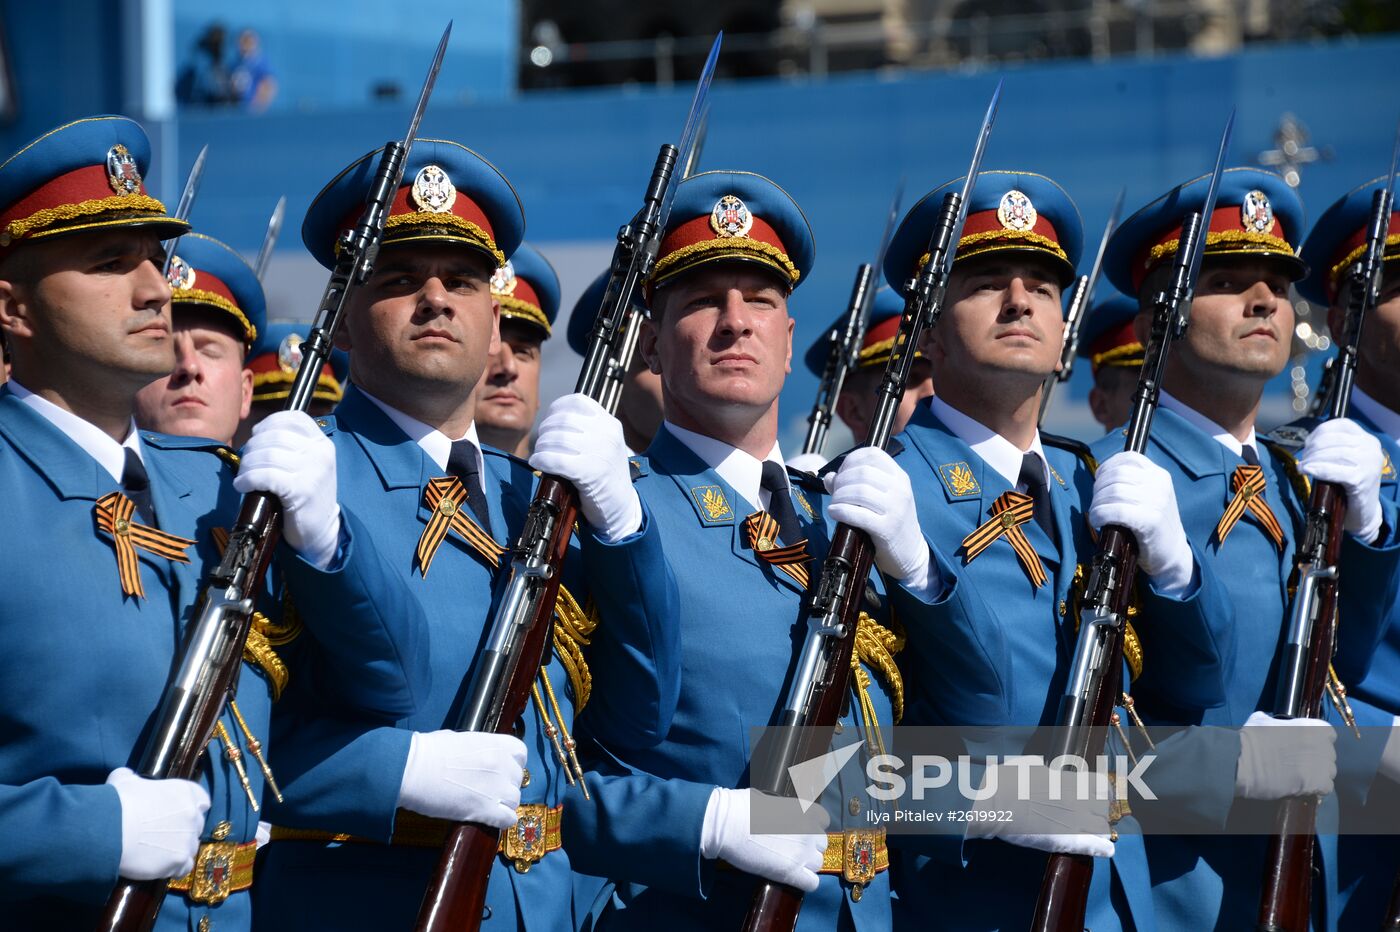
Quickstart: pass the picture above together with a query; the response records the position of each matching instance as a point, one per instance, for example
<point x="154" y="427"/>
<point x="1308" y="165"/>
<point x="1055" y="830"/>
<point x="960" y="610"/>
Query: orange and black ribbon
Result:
<point x="1248" y="484"/>
<point x="114" y="511"/>
<point x="447" y="498"/>
<point x="762" y="531"/>
<point x="1009" y="512"/>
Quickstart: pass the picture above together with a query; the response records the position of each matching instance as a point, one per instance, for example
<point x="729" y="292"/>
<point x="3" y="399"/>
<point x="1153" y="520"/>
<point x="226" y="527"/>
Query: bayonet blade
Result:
<point x="186" y="204"/>
<point x="1097" y="267"/>
<point x="891" y="222"/>
<point x="693" y="123"/>
<point x="274" y="230"/>
<point x="978" y="151"/>
<point x="1208" y="209"/>
<point x="426" y="92"/>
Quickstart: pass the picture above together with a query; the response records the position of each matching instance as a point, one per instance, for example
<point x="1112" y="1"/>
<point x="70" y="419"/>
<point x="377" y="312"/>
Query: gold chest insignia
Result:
<point x="802" y="500"/>
<point x="711" y="500"/>
<point x="1057" y="476"/>
<point x="1388" y="468"/>
<point x="959" y="480"/>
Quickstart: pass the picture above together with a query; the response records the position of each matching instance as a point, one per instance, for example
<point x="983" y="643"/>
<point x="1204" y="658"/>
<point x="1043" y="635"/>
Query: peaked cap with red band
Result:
<point x="1008" y="212"/>
<point x="276" y="358"/>
<point x="880" y="331"/>
<point x="206" y="273"/>
<point x="1107" y="337"/>
<point x="527" y="288"/>
<point x="85" y="175"/>
<point x="725" y="216"/>
<point x="1339" y="241"/>
<point x="1256" y="214"/>
<point x="449" y="194"/>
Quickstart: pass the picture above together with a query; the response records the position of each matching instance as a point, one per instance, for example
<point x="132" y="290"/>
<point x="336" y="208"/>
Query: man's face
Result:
<point x="1003" y="318"/>
<point x="1241" y="323"/>
<point x="859" y="396"/>
<point x="1378" y="358"/>
<point x="509" y="397"/>
<point x="91" y="302"/>
<point x="723" y="339"/>
<point x="210" y="391"/>
<point x="425" y="323"/>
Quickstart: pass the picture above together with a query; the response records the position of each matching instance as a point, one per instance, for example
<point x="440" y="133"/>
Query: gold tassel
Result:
<point x="235" y="757"/>
<point x="255" y="748"/>
<point x="569" y="743"/>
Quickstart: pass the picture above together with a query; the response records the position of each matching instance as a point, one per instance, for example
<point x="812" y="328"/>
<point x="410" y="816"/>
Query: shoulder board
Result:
<point x="196" y="444"/>
<point x="488" y="450"/>
<point x="894" y="446"/>
<point x="327" y="423"/>
<point x="810" y="481"/>
<point x="1291" y="437"/>
<point x="1289" y="464"/>
<point x="637" y="466"/>
<point x="1069" y="444"/>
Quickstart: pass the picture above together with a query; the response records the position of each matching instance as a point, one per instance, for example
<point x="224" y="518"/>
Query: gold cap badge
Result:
<point x="181" y="274"/>
<point x="122" y="173"/>
<point x="289" y="353"/>
<point x="731" y="217"/>
<point x="503" y="280"/>
<point x="432" y="190"/>
<point x="1016" y="212"/>
<point x="1256" y="213"/>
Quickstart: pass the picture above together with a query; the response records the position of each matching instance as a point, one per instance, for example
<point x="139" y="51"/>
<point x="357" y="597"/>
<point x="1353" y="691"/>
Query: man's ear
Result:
<point x="494" y="346"/>
<point x="15" y="315"/>
<point x="787" y="364"/>
<point x="646" y="345"/>
<point x="245" y="392"/>
<point x="1142" y="326"/>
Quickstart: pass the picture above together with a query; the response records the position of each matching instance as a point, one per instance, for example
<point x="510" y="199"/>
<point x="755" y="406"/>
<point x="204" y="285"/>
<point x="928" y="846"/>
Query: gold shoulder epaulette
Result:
<point x="1078" y="448"/>
<point x="1300" y="482"/>
<point x="572" y="627"/>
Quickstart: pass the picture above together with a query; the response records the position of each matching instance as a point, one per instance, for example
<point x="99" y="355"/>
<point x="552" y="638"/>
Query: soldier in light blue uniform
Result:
<point x="108" y="536"/>
<point x="973" y="453"/>
<point x="743" y="538"/>
<point x="508" y="399"/>
<point x="639" y="403"/>
<point x="1368" y="864"/>
<point x="1241" y="507"/>
<point x="856" y="403"/>
<point x="217" y="309"/>
<point x="376" y="803"/>
<point x="1114" y="352"/>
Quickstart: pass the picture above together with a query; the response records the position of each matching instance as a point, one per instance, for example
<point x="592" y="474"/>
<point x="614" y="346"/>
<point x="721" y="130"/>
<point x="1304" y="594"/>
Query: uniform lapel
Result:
<point x="65" y="466"/>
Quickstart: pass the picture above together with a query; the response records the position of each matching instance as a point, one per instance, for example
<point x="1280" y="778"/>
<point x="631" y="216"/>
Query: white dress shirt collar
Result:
<point x="742" y="472"/>
<point x="434" y="442"/>
<point x="1204" y="424"/>
<point x="109" y="454"/>
<point x="995" y="450"/>
<point x="1387" y="420"/>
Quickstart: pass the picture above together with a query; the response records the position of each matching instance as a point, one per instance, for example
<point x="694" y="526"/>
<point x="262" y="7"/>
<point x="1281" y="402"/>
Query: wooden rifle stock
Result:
<point x="1064" y="890"/>
<point x="775" y="906"/>
<point x="1285" y="904"/>
<point x="456" y="895"/>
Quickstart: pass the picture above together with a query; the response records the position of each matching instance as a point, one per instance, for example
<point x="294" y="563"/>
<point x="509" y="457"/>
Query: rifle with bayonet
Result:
<point x="622" y="346"/>
<point x="1304" y="672"/>
<point x="1078" y="310"/>
<point x="274" y="230"/>
<point x="821" y="682"/>
<point x="846" y="339"/>
<point x="1086" y="707"/>
<point x="207" y="674"/>
<point x="184" y="206"/>
<point x="519" y="633"/>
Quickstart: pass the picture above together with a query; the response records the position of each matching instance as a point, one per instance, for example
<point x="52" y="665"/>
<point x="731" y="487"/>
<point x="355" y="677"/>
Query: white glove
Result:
<point x="1132" y="491"/>
<point x="1341" y="451"/>
<point x="582" y="443"/>
<point x="1282" y="757"/>
<point x="789" y="859"/>
<point x="1067" y="825"/>
<point x="464" y="776"/>
<point x="872" y="493"/>
<point x="807" y="462"/>
<point x="1390" y="754"/>
<point x="290" y="458"/>
<point x="161" y="824"/>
